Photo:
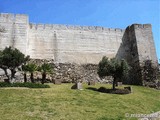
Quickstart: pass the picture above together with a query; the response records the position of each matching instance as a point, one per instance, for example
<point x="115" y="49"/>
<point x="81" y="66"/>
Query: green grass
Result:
<point x="62" y="103"/>
<point x="27" y="84"/>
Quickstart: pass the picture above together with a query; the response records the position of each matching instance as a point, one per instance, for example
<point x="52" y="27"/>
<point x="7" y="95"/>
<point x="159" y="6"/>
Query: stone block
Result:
<point x="91" y="83"/>
<point x="77" y="86"/>
<point x="119" y="83"/>
<point x="57" y="81"/>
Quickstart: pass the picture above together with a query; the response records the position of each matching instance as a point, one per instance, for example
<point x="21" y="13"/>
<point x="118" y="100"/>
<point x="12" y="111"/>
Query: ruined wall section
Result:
<point x="16" y="31"/>
<point x="73" y="44"/>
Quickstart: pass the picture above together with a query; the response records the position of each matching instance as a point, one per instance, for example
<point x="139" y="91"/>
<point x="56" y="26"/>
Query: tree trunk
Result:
<point x="13" y="72"/>
<point x="32" y="79"/>
<point x="43" y="77"/>
<point x="114" y="83"/>
<point x="6" y="73"/>
<point x="25" y="77"/>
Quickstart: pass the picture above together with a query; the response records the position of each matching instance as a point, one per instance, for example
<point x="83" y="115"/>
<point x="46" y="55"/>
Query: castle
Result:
<point x="78" y="44"/>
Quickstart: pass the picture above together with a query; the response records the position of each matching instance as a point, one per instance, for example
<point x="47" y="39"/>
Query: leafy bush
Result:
<point x="29" y="85"/>
<point x="4" y="84"/>
<point x="149" y="71"/>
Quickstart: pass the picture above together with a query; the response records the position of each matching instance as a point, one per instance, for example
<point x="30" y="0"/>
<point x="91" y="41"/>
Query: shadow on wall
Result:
<point x="128" y="51"/>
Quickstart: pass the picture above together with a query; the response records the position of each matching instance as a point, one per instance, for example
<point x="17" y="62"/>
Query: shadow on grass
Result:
<point x="110" y="91"/>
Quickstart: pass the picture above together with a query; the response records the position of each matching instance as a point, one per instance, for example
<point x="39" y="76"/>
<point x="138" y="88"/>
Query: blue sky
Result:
<point x="106" y="13"/>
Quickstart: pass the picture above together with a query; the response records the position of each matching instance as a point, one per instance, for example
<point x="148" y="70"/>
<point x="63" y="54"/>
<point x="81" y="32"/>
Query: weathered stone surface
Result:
<point x="119" y="83"/>
<point x="63" y="43"/>
<point x="91" y="83"/>
<point x="65" y="73"/>
<point x="57" y="81"/>
<point x="77" y="85"/>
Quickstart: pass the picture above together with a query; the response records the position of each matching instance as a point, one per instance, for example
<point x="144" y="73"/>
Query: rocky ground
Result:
<point x="65" y="72"/>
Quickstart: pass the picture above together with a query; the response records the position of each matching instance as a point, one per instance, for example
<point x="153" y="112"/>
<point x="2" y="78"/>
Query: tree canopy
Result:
<point x="113" y="67"/>
<point x="44" y="69"/>
<point x="11" y="58"/>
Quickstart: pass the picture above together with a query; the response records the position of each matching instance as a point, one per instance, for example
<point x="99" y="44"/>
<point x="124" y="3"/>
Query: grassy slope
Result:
<point x="62" y="103"/>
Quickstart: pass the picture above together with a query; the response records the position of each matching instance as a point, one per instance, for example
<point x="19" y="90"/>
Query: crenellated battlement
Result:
<point x="71" y="27"/>
<point x="6" y="17"/>
<point x="22" y="18"/>
<point x="141" y="25"/>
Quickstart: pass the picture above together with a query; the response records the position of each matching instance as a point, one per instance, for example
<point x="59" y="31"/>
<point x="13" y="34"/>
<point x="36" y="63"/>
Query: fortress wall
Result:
<point x="145" y="43"/>
<point x="41" y="44"/>
<point x="77" y="44"/>
<point x="15" y="34"/>
<point x="137" y="46"/>
<point x="6" y="22"/>
<point x="80" y="44"/>
<point x="73" y="44"/>
<point x="21" y="32"/>
<point x="133" y="56"/>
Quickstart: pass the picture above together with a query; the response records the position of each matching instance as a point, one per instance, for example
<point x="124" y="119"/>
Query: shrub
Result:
<point x="149" y="71"/>
<point x="29" y="85"/>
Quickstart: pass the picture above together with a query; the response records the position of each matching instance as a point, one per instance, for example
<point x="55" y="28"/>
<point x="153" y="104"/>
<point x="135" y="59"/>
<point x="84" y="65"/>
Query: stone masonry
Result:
<point x="78" y="44"/>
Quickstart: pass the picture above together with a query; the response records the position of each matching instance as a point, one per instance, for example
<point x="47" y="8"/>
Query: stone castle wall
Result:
<point x="63" y="43"/>
<point x="79" y="44"/>
<point x="73" y="44"/>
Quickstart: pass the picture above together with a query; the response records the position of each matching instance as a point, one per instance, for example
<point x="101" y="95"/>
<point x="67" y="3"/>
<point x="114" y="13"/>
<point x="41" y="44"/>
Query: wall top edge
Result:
<point x="13" y="16"/>
<point x="148" y="25"/>
<point x="74" y="27"/>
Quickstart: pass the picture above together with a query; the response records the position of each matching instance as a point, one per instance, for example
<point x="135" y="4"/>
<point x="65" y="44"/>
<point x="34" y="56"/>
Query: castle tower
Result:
<point x="16" y="31"/>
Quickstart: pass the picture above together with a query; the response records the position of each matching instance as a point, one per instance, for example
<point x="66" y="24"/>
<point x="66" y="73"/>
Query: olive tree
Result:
<point x="11" y="58"/>
<point x="113" y="67"/>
